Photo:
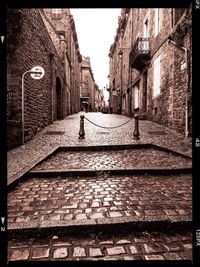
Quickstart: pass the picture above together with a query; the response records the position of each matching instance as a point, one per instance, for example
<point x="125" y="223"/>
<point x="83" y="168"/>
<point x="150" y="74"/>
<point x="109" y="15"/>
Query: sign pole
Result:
<point x="36" y="73"/>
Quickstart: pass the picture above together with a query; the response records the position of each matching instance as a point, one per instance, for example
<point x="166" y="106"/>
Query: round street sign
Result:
<point x="37" y="72"/>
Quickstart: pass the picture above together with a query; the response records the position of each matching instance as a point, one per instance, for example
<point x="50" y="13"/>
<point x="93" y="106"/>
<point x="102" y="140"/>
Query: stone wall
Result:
<point x="168" y="107"/>
<point x="29" y="45"/>
<point x="62" y="24"/>
<point x="75" y="68"/>
<point x="60" y="39"/>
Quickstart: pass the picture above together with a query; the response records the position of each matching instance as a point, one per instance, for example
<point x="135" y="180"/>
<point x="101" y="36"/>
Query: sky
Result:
<point x="96" y="29"/>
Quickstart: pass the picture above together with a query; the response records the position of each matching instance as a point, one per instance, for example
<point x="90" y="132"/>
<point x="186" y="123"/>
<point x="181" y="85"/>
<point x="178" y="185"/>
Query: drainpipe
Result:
<point x="187" y="87"/>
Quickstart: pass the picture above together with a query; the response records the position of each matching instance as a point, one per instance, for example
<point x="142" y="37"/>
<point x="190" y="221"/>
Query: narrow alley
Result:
<point x="99" y="134"/>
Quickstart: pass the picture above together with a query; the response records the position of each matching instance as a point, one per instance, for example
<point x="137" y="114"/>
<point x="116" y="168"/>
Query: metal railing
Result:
<point x="85" y="95"/>
<point x="140" y="47"/>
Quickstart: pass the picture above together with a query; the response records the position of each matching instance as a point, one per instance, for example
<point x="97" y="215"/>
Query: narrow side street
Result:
<point x="99" y="134"/>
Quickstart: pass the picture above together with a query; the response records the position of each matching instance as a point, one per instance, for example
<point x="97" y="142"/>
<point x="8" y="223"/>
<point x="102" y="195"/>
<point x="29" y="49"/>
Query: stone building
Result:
<point x="115" y="73"/>
<point x="99" y="99"/>
<point x="150" y="66"/>
<point x="61" y="27"/>
<point x="88" y="86"/>
<point x="35" y="38"/>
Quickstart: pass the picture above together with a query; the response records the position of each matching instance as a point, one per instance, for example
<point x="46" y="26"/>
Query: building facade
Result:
<point x="99" y="100"/>
<point x="150" y="66"/>
<point x="115" y="73"/>
<point x="46" y="38"/>
<point x="88" y="86"/>
<point x="61" y="24"/>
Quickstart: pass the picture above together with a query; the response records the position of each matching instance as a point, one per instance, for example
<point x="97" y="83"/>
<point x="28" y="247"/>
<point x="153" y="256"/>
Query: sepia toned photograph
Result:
<point x="99" y="134"/>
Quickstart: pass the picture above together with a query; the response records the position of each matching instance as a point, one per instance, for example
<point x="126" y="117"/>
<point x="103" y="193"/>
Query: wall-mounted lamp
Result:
<point x="120" y="54"/>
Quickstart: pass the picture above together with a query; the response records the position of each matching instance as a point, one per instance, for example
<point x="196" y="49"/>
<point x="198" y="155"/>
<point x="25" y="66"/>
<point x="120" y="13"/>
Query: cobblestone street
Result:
<point x="99" y="135"/>
<point x="65" y="133"/>
<point x="156" y="207"/>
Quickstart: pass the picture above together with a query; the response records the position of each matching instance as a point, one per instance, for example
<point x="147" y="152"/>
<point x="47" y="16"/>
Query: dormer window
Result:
<point x="57" y="13"/>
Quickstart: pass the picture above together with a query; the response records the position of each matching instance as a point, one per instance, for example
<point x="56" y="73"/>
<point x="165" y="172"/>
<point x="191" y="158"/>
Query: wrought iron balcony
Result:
<point x="140" y="53"/>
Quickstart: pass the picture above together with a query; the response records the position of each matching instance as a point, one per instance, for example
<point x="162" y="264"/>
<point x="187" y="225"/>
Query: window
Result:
<point x="156" y="77"/>
<point x="56" y="12"/>
<point x="158" y="20"/>
<point x="146" y="29"/>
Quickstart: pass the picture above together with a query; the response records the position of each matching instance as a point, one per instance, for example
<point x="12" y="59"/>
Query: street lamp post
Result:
<point x="36" y="73"/>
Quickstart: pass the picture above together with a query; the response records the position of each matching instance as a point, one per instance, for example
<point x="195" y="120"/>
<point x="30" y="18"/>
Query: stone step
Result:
<point x="145" y="223"/>
<point x="91" y="173"/>
<point x="98" y="245"/>
<point x="43" y="203"/>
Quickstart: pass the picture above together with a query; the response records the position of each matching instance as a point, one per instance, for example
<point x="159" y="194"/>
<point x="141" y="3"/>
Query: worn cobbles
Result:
<point x="98" y="246"/>
<point x="56" y="199"/>
<point x="23" y="158"/>
<point x="50" y="201"/>
<point x="123" y="159"/>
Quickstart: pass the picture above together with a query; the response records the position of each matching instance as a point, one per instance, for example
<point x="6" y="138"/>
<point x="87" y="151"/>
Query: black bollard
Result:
<point x="81" y="131"/>
<point x="136" y="134"/>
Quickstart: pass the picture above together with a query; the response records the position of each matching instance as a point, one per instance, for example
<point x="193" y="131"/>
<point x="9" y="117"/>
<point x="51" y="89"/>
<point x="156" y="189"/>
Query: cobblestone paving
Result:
<point x="137" y="197"/>
<point x="23" y="158"/>
<point x="63" y="201"/>
<point x="123" y="159"/>
<point x="98" y="246"/>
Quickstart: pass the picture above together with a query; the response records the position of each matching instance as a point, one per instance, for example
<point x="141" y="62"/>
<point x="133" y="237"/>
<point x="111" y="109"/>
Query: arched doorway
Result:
<point x="58" y="99"/>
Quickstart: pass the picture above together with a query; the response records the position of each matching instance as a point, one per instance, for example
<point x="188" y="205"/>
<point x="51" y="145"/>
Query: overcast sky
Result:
<point x="96" y="29"/>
